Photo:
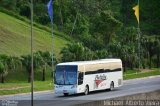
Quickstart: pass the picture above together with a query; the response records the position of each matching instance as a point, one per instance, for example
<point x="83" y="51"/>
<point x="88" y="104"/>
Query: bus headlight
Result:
<point x="74" y="86"/>
<point x="58" y="86"/>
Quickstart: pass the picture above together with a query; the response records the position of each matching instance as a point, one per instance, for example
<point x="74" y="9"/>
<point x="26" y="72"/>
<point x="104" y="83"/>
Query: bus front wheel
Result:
<point x="65" y="94"/>
<point x="86" y="92"/>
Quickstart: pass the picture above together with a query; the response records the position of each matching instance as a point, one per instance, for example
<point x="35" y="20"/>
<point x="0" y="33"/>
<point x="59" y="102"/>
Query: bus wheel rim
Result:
<point x="86" y="91"/>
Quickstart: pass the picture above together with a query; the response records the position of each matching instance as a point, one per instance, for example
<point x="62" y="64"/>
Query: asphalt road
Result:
<point x="50" y="99"/>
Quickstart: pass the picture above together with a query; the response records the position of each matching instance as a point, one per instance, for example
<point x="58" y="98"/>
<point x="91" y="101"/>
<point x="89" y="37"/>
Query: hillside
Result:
<point x="15" y="37"/>
<point x="106" y="28"/>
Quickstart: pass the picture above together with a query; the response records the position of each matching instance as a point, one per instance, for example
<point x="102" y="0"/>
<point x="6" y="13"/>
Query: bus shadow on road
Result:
<point x="90" y="93"/>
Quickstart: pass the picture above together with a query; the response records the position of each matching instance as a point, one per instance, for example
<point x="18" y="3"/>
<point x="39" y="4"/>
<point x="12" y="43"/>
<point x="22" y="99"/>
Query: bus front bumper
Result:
<point x="61" y="89"/>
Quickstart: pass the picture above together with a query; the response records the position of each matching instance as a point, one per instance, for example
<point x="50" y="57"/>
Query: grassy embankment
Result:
<point x="15" y="37"/>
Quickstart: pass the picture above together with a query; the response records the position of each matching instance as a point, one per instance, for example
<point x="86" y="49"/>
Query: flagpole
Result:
<point x="50" y="13"/>
<point x="32" y="74"/>
<point x="139" y="37"/>
<point x="52" y="39"/>
<point x="52" y="48"/>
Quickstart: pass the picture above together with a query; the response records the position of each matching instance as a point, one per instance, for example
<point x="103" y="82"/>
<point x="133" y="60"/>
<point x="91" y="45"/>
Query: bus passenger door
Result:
<point x="80" y="82"/>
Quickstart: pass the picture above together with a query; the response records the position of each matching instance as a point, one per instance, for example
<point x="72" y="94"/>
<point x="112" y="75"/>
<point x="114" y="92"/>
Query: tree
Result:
<point x="8" y="4"/>
<point x="150" y="20"/>
<point x="3" y="67"/>
<point x="157" y="48"/>
<point x="24" y="8"/>
<point x="151" y="46"/>
<point x="107" y="25"/>
<point x="76" y="52"/>
<point x="101" y="54"/>
<point x="26" y="61"/>
<point x="42" y="59"/>
<point x="14" y="63"/>
<point x="2" y="71"/>
<point x="129" y="47"/>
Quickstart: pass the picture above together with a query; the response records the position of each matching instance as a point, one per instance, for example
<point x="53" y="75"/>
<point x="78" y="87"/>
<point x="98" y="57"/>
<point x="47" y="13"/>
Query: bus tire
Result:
<point x="111" y="86"/>
<point x="86" y="92"/>
<point x="65" y="94"/>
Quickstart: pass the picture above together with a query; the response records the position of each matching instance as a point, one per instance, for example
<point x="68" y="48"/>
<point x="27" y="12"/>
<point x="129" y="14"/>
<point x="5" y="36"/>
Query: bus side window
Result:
<point x="80" y="78"/>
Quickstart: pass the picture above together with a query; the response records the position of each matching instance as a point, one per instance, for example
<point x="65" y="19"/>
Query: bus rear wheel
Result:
<point x="86" y="92"/>
<point x="111" y="86"/>
<point x="65" y="94"/>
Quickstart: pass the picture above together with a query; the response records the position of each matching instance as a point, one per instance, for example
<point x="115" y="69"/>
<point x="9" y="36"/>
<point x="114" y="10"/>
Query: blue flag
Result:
<point x="50" y="11"/>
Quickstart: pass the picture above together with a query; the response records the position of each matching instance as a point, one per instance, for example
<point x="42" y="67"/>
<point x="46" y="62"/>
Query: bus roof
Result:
<point x="90" y="62"/>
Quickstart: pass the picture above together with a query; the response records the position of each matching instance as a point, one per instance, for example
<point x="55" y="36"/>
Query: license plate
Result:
<point x="65" y="91"/>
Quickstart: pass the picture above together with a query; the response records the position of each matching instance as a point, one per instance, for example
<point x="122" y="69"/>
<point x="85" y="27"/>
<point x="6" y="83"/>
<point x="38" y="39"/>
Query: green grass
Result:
<point x="15" y="37"/>
<point x="10" y="88"/>
<point x="18" y="83"/>
<point x="141" y="75"/>
<point x="129" y="71"/>
<point x="24" y="19"/>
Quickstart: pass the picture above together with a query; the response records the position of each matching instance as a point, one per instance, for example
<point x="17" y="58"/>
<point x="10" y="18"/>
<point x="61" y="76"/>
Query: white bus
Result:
<point x="87" y="76"/>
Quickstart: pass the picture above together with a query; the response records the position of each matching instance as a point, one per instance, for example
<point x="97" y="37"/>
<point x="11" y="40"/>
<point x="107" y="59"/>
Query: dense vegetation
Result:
<point x="9" y="64"/>
<point x="103" y="28"/>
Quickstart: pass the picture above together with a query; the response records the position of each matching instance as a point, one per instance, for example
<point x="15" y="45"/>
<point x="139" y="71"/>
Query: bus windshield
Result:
<point x="66" y="75"/>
